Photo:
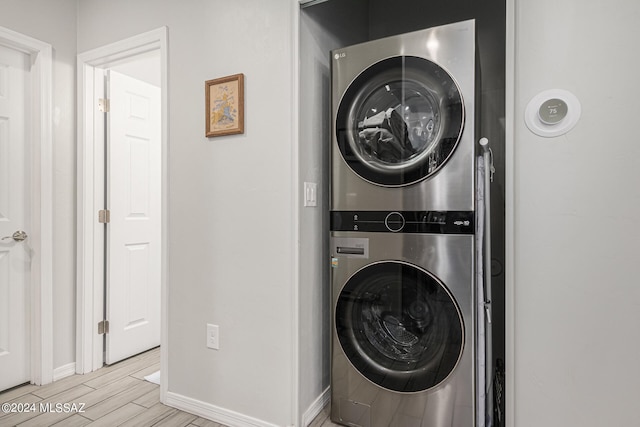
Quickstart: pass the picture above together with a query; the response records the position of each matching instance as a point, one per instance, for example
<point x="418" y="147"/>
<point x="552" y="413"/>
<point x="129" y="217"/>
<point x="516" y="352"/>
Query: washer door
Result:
<point x="399" y="121"/>
<point x="399" y="326"/>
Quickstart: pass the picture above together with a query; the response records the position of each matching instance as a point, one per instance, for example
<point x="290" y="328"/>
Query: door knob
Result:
<point x="18" y="236"/>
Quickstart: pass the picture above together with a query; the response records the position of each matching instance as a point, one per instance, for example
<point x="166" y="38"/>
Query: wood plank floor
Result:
<point x="116" y="395"/>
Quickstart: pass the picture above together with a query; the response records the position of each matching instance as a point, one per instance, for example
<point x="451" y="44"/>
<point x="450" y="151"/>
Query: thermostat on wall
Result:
<point x="552" y="113"/>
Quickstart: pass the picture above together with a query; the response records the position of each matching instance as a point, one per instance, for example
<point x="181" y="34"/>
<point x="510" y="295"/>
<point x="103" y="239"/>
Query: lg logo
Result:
<point x="340" y="55"/>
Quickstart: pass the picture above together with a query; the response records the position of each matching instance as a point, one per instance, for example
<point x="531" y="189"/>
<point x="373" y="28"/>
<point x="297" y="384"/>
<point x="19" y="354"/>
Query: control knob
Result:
<point x="394" y="222"/>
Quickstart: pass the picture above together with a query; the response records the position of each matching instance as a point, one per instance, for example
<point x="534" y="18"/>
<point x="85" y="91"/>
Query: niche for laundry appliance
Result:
<point x="552" y="113"/>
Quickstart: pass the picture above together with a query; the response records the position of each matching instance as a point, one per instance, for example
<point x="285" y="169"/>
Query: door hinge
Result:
<point x="103" y="327"/>
<point x="104" y="105"/>
<point x="104" y="216"/>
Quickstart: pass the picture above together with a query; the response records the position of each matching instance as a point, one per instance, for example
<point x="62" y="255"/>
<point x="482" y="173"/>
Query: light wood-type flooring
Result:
<point x="116" y="395"/>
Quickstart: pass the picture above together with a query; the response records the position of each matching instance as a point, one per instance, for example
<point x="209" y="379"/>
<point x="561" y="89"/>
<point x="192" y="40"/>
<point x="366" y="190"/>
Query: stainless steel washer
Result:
<point x="403" y="340"/>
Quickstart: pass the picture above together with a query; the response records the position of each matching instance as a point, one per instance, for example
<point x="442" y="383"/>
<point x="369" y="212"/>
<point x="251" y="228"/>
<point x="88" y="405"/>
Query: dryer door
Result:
<point x="399" y="326"/>
<point x="399" y="121"/>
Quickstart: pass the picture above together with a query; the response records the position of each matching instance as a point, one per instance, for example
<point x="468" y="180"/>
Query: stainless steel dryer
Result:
<point x="402" y="340"/>
<point x="403" y="128"/>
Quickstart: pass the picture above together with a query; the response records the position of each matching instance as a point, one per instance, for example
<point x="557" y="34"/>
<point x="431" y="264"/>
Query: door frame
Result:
<point x="90" y="251"/>
<point x="41" y="234"/>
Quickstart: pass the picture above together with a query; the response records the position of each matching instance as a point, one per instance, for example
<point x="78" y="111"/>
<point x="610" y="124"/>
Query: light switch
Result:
<point x="310" y="194"/>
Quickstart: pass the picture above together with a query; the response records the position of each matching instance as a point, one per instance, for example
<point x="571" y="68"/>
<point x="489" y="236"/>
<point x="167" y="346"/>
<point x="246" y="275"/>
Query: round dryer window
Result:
<point x="399" y="121"/>
<point x="399" y="326"/>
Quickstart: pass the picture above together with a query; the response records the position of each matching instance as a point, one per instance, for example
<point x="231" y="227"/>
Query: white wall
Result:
<point x="577" y="204"/>
<point x="231" y="213"/>
<point x="145" y="67"/>
<point x="55" y="23"/>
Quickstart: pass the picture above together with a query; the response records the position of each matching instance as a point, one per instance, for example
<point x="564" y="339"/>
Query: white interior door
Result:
<point x="14" y="217"/>
<point x="134" y="231"/>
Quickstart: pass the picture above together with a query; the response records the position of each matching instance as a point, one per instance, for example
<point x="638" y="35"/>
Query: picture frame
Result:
<point x="224" y="106"/>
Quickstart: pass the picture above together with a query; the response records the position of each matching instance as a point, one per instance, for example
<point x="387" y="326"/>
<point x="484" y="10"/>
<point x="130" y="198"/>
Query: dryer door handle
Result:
<point x="349" y="250"/>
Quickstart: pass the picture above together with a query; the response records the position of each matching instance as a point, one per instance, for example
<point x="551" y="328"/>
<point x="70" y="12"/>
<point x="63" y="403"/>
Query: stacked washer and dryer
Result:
<point x="402" y="230"/>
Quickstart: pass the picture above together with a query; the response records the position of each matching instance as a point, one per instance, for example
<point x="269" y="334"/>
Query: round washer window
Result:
<point x="399" y="121"/>
<point x="399" y="326"/>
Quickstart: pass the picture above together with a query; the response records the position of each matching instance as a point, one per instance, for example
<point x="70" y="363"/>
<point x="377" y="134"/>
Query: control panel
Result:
<point x="435" y="222"/>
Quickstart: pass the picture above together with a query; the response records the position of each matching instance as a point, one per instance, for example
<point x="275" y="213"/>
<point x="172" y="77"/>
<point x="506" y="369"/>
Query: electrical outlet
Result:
<point x="213" y="336"/>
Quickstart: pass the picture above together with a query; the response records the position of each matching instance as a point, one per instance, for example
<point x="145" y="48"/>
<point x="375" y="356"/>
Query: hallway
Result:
<point x="112" y="396"/>
<point x="116" y="395"/>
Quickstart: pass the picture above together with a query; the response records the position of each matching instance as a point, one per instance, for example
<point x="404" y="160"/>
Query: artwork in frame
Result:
<point x="224" y="105"/>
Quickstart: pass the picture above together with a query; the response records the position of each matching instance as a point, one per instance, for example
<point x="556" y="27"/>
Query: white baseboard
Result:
<point x="316" y="407"/>
<point x="64" y="371"/>
<point x="212" y="412"/>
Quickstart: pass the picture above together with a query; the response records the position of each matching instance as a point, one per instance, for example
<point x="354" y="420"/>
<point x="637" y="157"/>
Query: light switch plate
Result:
<point x="310" y="194"/>
<point x="213" y="336"/>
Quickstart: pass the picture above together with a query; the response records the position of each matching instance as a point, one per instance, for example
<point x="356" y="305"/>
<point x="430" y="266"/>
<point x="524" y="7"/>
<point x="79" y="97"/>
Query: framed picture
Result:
<point x="224" y="105"/>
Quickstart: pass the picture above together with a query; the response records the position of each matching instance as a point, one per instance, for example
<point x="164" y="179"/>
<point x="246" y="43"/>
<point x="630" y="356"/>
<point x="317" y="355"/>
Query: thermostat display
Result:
<point x="552" y="113"/>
